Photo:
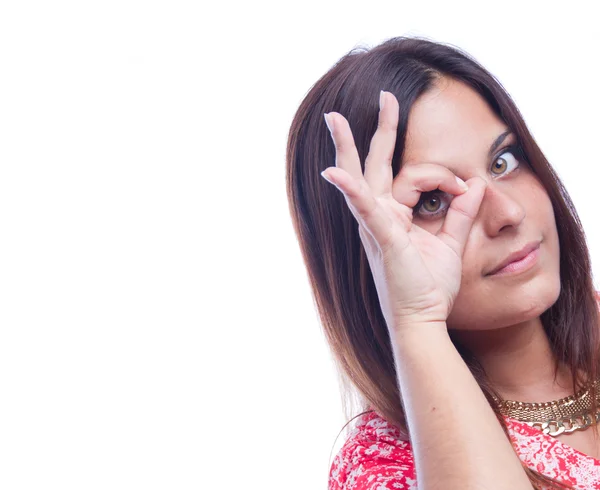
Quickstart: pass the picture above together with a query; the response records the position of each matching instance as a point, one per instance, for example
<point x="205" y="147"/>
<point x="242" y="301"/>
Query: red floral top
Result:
<point x="374" y="457"/>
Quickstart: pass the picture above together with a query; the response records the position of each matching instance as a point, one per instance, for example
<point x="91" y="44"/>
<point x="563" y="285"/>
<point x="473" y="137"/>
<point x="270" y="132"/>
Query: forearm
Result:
<point x="457" y="440"/>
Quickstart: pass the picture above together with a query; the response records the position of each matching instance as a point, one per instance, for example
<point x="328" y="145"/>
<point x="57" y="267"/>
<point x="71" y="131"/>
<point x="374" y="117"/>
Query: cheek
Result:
<point x="498" y="304"/>
<point x="540" y="213"/>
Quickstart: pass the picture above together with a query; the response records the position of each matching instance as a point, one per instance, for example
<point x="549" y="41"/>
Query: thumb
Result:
<point x="461" y="215"/>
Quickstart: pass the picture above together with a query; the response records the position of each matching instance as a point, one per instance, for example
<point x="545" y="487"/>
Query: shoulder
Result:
<point x="373" y="454"/>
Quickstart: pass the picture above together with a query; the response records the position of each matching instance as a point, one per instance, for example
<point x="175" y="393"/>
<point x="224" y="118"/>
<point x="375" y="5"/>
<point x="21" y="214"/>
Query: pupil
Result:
<point x="433" y="199"/>
<point x="499" y="167"/>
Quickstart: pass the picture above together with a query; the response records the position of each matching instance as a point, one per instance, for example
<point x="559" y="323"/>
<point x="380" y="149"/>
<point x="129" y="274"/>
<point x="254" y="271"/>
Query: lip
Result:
<point x="519" y="260"/>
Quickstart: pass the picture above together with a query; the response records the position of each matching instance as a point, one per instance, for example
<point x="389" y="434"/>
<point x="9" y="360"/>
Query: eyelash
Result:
<point x="516" y="150"/>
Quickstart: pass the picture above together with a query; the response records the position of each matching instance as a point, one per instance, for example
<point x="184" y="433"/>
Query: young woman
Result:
<point x="451" y="275"/>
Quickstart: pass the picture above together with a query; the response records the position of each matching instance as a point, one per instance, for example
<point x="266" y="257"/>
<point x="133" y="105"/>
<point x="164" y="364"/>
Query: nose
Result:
<point x="502" y="207"/>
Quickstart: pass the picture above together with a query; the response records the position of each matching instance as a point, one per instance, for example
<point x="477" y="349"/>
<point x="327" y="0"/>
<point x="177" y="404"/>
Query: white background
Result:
<point x="156" y="326"/>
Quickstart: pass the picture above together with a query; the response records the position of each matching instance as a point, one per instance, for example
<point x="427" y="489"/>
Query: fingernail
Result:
<point x="329" y="121"/>
<point x="324" y="175"/>
<point x="381" y="100"/>
<point x="462" y="183"/>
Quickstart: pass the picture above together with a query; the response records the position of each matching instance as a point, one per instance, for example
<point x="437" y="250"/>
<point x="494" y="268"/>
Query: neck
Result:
<point x="518" y="361"/>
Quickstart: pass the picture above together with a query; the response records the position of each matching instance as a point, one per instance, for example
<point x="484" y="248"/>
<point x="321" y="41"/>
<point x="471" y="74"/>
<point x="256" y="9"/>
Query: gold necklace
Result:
<point x="556" y="417"/>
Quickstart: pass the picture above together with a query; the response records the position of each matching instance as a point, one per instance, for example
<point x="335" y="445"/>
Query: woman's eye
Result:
<point x="507" y="159"/>
<point x="435" y="203"/>
<point x="431" y="204"/>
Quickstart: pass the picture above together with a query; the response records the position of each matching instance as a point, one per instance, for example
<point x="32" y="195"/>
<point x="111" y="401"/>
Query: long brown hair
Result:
<point x="338" y="271"/>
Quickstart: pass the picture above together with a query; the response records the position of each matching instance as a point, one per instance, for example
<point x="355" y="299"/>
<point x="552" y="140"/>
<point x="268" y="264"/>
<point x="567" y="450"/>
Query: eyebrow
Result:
<point x="498" y="142"/>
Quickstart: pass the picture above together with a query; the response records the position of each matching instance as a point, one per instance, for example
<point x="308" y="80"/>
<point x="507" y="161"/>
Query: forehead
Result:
<point x="451" y="125"/>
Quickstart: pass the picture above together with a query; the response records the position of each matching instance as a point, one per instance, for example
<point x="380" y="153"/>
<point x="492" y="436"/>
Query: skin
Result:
<point x="445" y="285"/>
<point x="496" y="317"/>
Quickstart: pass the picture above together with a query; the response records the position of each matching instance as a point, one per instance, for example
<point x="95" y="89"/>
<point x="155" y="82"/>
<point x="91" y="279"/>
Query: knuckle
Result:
<point x="386" y="126"/>
<point x="345" y="147"/>
<point x="340" y="145"/>
<point x="368" y="213"/>
<point x="388" y="157"/>
<point x="461" y="211"/>
<point x="406" y="172"/>
<point x="449" y="238"/>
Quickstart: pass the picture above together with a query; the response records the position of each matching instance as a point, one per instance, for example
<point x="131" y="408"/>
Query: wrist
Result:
<point x="400" y="325"/>
<point x="418" y="328"/>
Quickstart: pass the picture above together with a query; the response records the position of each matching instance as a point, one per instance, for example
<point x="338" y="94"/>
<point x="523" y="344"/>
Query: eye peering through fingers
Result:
<point x="414" y="180"/>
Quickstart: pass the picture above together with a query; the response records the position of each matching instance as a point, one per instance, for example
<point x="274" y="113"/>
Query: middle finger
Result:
<point x="378" y="164"/>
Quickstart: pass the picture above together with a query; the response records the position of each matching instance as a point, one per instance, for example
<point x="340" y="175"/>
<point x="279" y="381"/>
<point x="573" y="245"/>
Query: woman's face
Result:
<point x="453" y="126"/>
